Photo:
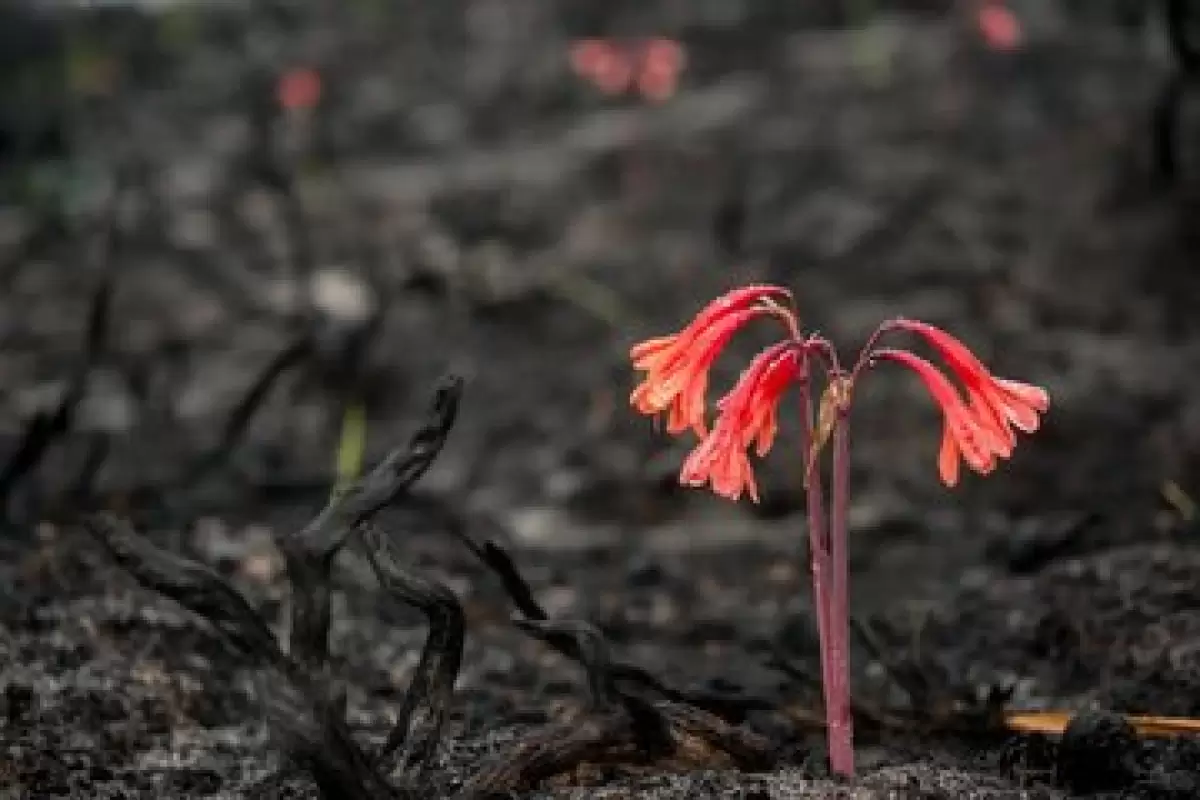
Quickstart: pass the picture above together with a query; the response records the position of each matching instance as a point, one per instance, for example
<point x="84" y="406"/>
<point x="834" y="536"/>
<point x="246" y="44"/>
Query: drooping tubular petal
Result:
<point x="677" y="385"/>
<point x="720" y="461"/>
<point x="1009" y="403"/>
<point x="677" y="365"/>
<point x="747" y="417"/>
<point x="643" y="353"/>
<point x="742" y="297"/>
<point x="780" y="365"/>
<point x="965" y="434"/>
<point x="989" y="418"/>
<point x="948" y="458"/>
<point x="1023" y="403"/>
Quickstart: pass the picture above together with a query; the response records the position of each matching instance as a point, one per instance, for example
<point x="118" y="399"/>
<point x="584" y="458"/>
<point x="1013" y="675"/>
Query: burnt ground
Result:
<point x="513" y="228"/>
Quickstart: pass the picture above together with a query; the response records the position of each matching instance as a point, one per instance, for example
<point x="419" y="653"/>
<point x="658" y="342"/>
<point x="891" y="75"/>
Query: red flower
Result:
<point x="603" y="64"/>
<point x="999" y="404"/>
<point x="299" y="89"/>
<point x="677" y="365"/>
<point x="659" y="75"/>
<point x="747" y="416"/>
<point x="652" y="67"/>
<point x="965" y="433"/>
<point x="999" y="26"/>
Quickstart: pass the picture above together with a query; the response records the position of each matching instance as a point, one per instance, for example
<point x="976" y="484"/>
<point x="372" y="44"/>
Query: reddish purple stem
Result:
<point x="837" y="692"/>
<point x="818" y="543"/>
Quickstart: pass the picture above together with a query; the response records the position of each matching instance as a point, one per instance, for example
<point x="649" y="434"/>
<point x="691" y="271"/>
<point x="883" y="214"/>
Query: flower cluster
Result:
<point x="650" y="69"/>
<point x="981" y="414"/>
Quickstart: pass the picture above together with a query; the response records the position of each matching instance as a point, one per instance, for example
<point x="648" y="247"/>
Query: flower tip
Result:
<point x="1035" y="397"/>
<point x="641" y="351"/>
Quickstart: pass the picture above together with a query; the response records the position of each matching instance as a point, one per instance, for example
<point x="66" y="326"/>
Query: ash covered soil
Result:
<point x="511" y="227"/>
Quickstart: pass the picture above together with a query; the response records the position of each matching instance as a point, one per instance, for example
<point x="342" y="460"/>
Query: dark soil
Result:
<point x="460" y="203"/>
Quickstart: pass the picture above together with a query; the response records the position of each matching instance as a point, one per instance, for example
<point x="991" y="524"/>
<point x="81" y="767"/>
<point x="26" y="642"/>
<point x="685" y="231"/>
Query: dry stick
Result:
<point x="623" y="726"/>
<point x="217" y="455"/>
<point x="300" y="703"/>
<point x="318" y="740"/>
<point x="518" y="590"/>
<point x="594" y="654"/>
<point x="205" y="593"/>
<point x="309" y="552"/>
<point x="82" y="487"/>
<point x="595" y="739"/>
<point x="661" y="727"/>
<point x="654" y="728"/>
<point x="617" y="728"/>
<point x="44" y="428"/>
<point x="692" y="729"/>
<point x="433" y="682"/>
<point x="189" y="583"/>
<point x="205" y="464"/>
<point x="293" y="354"/>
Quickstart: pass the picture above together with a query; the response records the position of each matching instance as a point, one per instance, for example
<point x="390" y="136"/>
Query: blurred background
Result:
<point x="224" y="224"/>
<point x="517" y="191"/>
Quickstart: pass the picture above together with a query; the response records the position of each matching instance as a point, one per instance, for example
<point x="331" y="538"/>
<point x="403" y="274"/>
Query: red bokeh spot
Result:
<point x="999" y="27"/>
<point x="651" y="68"/>
<point x="602" y="64"/>
<point x="659" y="76"/>
<point x="299" y="89"/>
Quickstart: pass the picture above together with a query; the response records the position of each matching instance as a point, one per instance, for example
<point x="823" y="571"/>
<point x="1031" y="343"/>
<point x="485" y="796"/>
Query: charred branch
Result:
<point x="193" y="585"/>
<point x="304" y="707"/>
<point x="317" y="740"/>
<point x="432" y="685"/>
<point x="558" y="749"/>
<point x="617" y="728"/>
<point x="310" y="551"/>
<point x="292" y="355"/>
<point x="497" y="559"/>
<point x="627" y="721"/>
<point x="593" y="652"/>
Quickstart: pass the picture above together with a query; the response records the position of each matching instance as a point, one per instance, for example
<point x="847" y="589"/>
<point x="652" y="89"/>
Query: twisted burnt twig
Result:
<point x="631" y="718"/>
<point x="498" y="561"/>
<point x="294" y="353"/>
<point x="310" y="551"/>
<point x="618" y="726"/>
<point x="194" y="586"/>
<point x="433" y="683"/>
<point x="304" y="709"/>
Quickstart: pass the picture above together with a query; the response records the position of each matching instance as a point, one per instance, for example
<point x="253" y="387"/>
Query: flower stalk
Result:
<point x="820" y="566"/>
<point x="838" y="718"/>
